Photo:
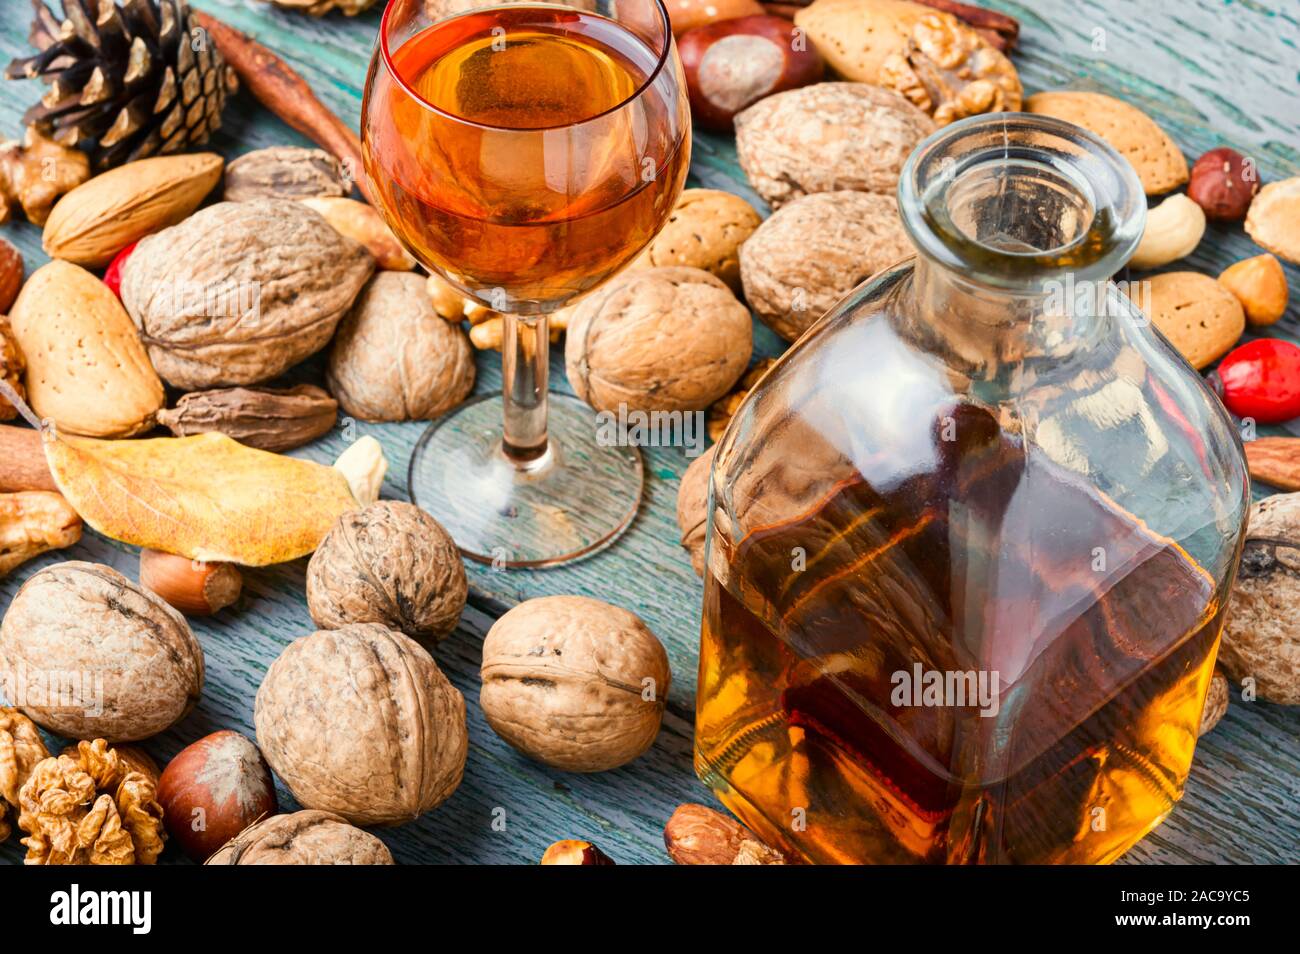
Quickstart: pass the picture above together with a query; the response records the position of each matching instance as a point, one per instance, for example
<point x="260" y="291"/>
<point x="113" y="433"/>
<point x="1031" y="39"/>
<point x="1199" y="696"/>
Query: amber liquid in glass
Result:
<point x="1102" y="655"/>
<point x="548" y="186"/>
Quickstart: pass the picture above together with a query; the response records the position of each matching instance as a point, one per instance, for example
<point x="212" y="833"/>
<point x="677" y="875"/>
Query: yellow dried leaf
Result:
<point x="205" y="497"/>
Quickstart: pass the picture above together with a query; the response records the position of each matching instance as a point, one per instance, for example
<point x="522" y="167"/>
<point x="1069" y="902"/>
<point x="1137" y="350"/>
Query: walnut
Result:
<point x="97" y="656"/>
<point x="389" y="563"/>
<point x="35" y="172"/>
<point x="274" y="419"/>
<point x="240" y="292"/>
<point x="705" y="230"/>
<point x="574" y="683"/>
<point x="693" y="507"/>
<point x="660" y="339"/>
<point x="1261" y="638"/>
<point x="303" y="838"/>
<point x="828" y="137"/>
<point x="12" y="367"/>
<point x="395" y="359"/>
<point x="92" y="807"/>
<point x="361" y="721"/>
<point x="284" y="172"/>
<point x="21" y="748"/>
<point x="814" y="251"/>
<point x="952" y="72"/>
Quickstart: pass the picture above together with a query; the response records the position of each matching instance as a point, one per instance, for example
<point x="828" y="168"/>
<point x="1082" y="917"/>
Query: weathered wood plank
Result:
<point x="1213" y="73"/>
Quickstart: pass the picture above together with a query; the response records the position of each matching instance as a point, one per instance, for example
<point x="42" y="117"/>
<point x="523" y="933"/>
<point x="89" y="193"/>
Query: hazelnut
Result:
<point x="570" y="852"/>
<point x="730" y="64"/>
<point x="1223" y="183"/>
<point x="1260" y="285"/>
<point x="214" y="789"/>
<point x="574" y="683"/>
<point x="699" y="835"/>
<point x="194" y="587"/>
<point x="11" y="274"/>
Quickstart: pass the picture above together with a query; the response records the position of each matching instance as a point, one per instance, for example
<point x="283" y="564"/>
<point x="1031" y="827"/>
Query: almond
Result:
<point x="1199" y="316"/>
<point x="1130" y="132"/>
<point x="1260" y="285"/>
<point x="1274" y="218"/>
<point x="11" y="274"/>
<point x="86" y="368"/>
<point x="102" y="216"/>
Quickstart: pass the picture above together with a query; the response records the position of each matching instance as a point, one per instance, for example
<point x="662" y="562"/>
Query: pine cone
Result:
<point x="127" y="81"/>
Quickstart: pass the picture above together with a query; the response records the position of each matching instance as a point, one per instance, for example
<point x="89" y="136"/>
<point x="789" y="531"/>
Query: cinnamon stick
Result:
<point x="280" y="88"/>
<point x="22" y="461"/>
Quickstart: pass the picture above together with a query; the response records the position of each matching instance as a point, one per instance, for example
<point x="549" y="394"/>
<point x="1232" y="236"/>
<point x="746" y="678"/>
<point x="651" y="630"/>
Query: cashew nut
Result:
<point x="1174" y="229"/>
<point x="364" y="465"/>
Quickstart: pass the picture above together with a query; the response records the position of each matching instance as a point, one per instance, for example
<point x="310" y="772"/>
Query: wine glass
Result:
<point x="525" y="153"/>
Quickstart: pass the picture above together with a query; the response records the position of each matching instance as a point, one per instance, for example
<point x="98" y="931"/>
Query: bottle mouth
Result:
<point x="1013" y="200"/>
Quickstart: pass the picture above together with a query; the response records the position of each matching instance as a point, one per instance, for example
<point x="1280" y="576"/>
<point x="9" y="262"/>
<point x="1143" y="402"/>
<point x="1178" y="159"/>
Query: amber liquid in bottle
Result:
<point x="1102" y="656"/>
<point x="541" y="216"/>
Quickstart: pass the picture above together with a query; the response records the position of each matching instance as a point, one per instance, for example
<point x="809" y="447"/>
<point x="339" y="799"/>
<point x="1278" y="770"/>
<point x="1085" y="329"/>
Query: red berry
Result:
<point x="1261" y="380"/>
<point x="113" y="275"/>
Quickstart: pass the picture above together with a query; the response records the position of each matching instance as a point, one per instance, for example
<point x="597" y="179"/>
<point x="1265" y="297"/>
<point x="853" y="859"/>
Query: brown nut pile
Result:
<point x="90" y="807"/>
<point x="828" y="137"/>
<point x="303" y="838"/>
<point x="361" y="721"/>
<point x="1261" y="638"/>
<point x="574" y="683"/>
<point x="951" y="72"/>
<point x="389" y="563"/>
<point x="659" y="339"/>
<point x="394" y="358"/>
<point x="814" y="251"/>
<point x="99" y="657"/>
<point x="240" y="292"/>
<point x="21" y="749"/>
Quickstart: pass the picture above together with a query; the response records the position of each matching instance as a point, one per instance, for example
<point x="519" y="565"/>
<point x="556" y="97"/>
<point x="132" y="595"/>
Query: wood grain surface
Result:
<point x="1213" y="72"/>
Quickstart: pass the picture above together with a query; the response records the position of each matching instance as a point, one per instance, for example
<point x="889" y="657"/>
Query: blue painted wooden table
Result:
<point x="1213" y="72"/>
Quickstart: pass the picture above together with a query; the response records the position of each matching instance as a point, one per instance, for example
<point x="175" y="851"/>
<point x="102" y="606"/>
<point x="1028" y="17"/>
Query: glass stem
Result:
<point x="525" y="364"/>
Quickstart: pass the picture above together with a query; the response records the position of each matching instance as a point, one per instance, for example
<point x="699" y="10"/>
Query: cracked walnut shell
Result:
<point x="90" y="807"/>
<point x="574" y="683"/>
<point x="303" y="838"/>
<point x="21" y="749"/>
<point x="361" y="721"/>
<point x="98" y="656"/>
<point x="826" y="138"/>
<point x="658" y="339"/>
<point x="389" y="563"/>
<point x="952" y="72"/>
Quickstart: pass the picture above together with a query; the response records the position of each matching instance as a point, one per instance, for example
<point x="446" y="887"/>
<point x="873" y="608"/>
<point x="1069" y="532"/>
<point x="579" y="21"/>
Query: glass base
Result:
<point x="572" y="501"/>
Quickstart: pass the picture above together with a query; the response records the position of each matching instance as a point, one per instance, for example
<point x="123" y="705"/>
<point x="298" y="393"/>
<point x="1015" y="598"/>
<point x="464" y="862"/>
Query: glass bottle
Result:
<point x="971" y="539"/>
